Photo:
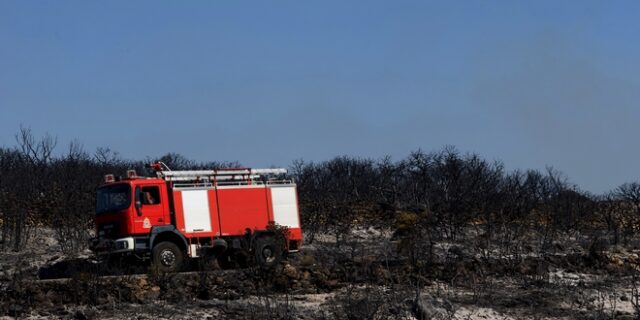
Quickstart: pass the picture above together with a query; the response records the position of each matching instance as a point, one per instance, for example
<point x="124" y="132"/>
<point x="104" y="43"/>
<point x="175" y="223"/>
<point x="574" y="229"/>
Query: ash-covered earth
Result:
<point x="365" y="275"/>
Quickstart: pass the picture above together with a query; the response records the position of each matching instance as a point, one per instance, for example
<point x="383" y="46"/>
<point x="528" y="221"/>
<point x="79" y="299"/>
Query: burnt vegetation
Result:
<point x="423" y="237"/>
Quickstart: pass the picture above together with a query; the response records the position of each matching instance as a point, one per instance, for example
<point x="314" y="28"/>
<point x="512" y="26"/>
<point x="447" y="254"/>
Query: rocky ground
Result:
<point x="362" y="278"/>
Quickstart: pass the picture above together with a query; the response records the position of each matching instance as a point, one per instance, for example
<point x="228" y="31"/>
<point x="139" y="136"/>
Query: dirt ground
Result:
<point x="362" y="278"/>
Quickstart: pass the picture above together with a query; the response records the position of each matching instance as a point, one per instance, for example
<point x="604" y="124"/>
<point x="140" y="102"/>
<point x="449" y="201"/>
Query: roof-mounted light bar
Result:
<point x="223" y="172"/>
<point x="163" y="172"/>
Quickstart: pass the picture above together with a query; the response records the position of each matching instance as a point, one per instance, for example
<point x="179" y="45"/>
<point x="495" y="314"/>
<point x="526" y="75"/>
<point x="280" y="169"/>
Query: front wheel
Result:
<point x="167" y="257"/>
<point x="267" y="252"/>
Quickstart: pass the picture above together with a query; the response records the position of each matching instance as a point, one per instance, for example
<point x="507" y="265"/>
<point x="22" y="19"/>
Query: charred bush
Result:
<point x="370" y="302"/>
<point x="17" y="295"/>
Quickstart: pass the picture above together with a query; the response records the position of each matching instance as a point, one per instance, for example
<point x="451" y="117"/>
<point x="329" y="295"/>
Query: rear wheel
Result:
<point x="167" y="257"/>
<point x="267" y="252"/>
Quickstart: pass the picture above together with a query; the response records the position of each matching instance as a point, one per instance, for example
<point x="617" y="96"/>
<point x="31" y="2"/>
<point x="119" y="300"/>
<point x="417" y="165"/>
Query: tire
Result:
<point x="167" y="257"/>
<point x="267" y="252"/>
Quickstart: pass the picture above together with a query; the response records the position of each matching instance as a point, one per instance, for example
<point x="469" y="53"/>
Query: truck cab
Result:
<point x="127" y="209"/>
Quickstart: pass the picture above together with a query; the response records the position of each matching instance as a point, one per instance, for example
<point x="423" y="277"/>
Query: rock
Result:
<point x="615" y="260"/>
<point x="307" y="261"/>
<point x="373" y="232"/>
<point x="290" y="271"/>
<point x="427" y="308"/>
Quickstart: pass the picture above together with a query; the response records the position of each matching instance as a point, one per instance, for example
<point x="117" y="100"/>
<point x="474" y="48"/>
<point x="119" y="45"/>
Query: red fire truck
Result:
<point x="178" y="215"/>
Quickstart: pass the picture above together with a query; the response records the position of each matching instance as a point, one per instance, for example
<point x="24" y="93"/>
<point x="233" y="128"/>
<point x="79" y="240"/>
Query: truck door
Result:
<point x="151" y="210"/>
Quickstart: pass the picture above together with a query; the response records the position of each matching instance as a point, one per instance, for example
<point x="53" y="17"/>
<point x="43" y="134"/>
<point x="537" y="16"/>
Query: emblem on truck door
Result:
<point x="146" y="224"/>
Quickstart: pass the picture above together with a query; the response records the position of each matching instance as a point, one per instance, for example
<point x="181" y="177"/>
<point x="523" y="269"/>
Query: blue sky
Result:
<point x="530" y="83"/>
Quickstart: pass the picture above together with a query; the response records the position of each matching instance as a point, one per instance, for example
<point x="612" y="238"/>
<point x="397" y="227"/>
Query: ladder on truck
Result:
<point x="227" y="176"/>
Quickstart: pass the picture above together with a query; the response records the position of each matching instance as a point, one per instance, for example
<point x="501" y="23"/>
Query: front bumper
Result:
<point x="107" y="246"/>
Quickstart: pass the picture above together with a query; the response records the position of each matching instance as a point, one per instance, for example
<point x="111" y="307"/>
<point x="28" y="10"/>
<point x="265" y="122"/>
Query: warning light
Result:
<point x="109" y="178"/>
<point x="131" y="174"/>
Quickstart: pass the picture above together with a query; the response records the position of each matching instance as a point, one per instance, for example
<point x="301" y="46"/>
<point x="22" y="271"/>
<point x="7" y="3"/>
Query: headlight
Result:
<point x="122" y="245"/>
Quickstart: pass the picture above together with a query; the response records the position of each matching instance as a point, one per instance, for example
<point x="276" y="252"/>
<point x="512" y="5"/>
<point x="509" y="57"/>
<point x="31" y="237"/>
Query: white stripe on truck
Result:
<point x="285" y="208"/>
<point x="195" y="206"/>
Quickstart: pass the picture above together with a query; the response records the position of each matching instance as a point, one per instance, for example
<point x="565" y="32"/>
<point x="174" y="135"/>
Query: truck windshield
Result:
<point x="113" y="198"/>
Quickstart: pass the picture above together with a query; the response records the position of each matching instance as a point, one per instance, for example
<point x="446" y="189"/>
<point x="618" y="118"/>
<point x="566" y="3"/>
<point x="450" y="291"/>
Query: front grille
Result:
<point x="109" y="230"/>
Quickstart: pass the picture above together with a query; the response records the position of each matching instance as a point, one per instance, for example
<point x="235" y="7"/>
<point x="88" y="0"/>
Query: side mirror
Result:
<point x="138" y="202"/>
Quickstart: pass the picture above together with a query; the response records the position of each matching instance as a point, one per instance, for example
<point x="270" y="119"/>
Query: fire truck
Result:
<point x="179" y="215"/>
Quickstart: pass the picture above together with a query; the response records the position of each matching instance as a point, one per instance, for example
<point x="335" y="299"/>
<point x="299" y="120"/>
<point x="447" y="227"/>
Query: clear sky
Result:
<point x="531" y="83"/>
